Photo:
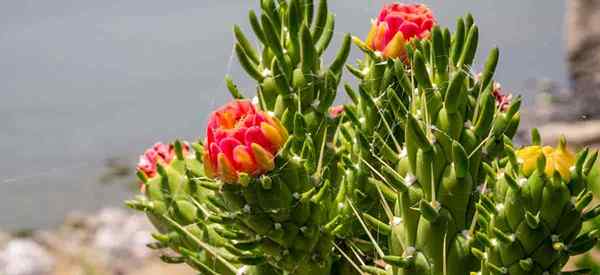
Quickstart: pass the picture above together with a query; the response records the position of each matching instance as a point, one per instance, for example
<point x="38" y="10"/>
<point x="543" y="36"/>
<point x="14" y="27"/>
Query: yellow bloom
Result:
<point x="558" y="159"/>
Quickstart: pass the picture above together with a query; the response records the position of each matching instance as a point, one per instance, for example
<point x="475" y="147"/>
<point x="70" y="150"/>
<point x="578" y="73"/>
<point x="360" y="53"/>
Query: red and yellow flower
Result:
<point x="396" y="25"/>
<point x="241" y="139"/>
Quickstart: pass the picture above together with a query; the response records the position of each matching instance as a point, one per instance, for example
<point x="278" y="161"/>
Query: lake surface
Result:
<point x="82" y="81"/>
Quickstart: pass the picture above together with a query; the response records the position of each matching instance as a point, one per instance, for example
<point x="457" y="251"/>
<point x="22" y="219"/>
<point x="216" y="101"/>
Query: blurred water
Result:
<point x="82" y="81"/>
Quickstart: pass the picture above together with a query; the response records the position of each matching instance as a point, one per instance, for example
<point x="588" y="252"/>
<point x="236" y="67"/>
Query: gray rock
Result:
<point x="122" y="235"/>
<point x="583" y="44"/>
<point x="25" y="257"/>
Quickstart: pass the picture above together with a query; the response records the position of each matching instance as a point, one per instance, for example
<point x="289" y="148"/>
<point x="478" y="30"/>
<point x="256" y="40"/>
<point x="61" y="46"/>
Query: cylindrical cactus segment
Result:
<point x="434" y="126"/>
<point x="176" y="198"/>
<point x="536" y="223"/>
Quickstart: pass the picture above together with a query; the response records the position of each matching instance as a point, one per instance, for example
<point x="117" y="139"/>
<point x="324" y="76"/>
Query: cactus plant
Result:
<point x="270" y="174"/>
<point x="540" y="199"/>
<point x="417" y="174"/>
<point x="431" y="137"/>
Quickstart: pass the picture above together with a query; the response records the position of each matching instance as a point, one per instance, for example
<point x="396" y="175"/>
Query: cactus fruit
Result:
<point x="417" y="174"/>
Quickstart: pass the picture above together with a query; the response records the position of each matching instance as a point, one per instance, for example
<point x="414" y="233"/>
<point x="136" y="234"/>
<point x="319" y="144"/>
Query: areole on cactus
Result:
<point x="241" y="139"/>
<point x="417" y="174"/>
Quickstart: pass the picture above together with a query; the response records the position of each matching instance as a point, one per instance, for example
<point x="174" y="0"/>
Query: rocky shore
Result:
<point x="112" y="241"/>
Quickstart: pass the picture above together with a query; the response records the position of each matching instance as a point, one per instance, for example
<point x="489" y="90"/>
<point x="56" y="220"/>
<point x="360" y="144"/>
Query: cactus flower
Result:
<point x="502" y="99"/>
<point x="336" y="111"/>
<point x="396" y="25"/>
<point x="159" y="153"/>
<point x="241" y="139"/>
<point x="558" y="159"/>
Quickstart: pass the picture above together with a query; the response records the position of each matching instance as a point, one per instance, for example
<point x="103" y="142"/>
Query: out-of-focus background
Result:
<point x="86" y="86"/>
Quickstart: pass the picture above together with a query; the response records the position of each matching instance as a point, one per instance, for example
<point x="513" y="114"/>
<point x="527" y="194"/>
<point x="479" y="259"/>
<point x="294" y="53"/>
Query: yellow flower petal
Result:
<point x="272" y="134"/>
<point x="264" y="159"/>
<point x="557" y="159"/>
<point x="227" y="172"/>
<point x="396" y="47"/>
<point x="371" y="35"/>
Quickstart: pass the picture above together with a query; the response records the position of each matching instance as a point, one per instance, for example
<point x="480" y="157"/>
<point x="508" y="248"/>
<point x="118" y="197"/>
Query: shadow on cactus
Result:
<point x="417" y="174"/>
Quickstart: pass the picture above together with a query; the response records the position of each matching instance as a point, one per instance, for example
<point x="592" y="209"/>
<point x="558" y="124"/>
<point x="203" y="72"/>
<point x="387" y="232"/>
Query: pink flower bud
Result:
<point x="159" y="153"/>
<point x="502" y="100"/>
<point x="241" y="139"/>
<point x="396" y="25"/>
<point x="336" y="111"/>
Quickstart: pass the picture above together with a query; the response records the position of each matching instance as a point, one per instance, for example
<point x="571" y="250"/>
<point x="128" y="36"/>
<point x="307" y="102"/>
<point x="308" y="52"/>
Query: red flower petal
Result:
<point x="227" y="145"/>
<point x="214" y="152"/>
<point x="255" y="135"/>
<point x="409" y="29"/>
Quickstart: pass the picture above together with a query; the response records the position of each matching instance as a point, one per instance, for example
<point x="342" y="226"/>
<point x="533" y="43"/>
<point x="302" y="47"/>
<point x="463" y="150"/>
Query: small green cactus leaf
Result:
<point x="271" y="36"/>
<point x="232" y="88"/>
<point x="394" y="178"/>
<point x="377" y="225"/>
<point x="429" y="211"/>
<point x="536" y="138"/>
<point x="326" y="36"/>
<point x="420" y="72"/>
<point x="589" y="163"/>
<point x="469" y="20"/>
<point x="309" y="9"/>
<point x="320" y="19"/>
<point x="281" y="80"/>
<point x="295" y="17"/>
<point x="580" y="159"/>
<point x="489" y="68"/>
<point x="246" y="45"/>
<point x="582" y="244"/>
<point x="453" y="94"/>
<point x="460" y="158"/>
<point x="487" y="109"/>
<point x="401" y="262"/>
<point x="351" y="93"/>
<point x="400" y="71"/>
<point x="591" y="213"/>
<point x="247" y="64"/>
<point x="338" y="62"/>
<point x="470" y="48"/>
<point x="416" y="135"/>
<point x="309" y="53"/>
<point x="583" y="201"/>
<point x="255" y="24"/>
<point x="458" y="41"/>
<point x="439" y="53"/>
